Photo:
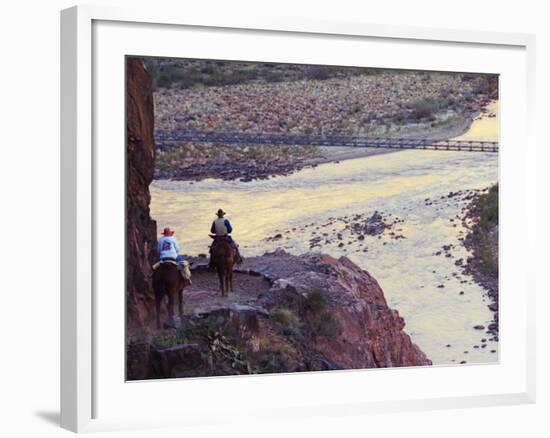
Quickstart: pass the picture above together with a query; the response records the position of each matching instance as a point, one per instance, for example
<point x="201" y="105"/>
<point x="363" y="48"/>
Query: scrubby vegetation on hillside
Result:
<point x="296" y="99"/>
<point x="485" y="231"/>
<point x="187" y="73"/>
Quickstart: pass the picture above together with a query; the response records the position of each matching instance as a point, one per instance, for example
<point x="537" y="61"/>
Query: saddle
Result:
<point x="218" y="239"/>
<point x="160" y="262"/>
<point x="232" y="244"/>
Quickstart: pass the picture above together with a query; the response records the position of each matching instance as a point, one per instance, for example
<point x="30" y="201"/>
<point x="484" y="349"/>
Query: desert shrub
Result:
<point x="163" y="81"/>
<point x="239" y="76"/>
<point x="216" y="78"/>
<point x="316" y="301"/>
<point x="171" y="76"/>
<point x="182" y="75"/>
<point x="486" y="252"/>
<point x="193" y="330"/>
<point x="427" y="107"/>
<point x="275" y="356"/>
<point x="468" y="77"/>
<point x="487" y="84"/>
<point x="488" y="208"/>
<point x="307" y="316"/>
<point x="365" y="71"/>
<point x="485" y="231"/>
<point x="319" y="72"/>
<point x="207" y="69"/>
<point x="355" y="108"/>
<point x="174" y="73"/>
<point x="273" y="76"/>
<point x="398" y="118"/>
<point x="285" y="317"/>
<point x="327" y="325"/>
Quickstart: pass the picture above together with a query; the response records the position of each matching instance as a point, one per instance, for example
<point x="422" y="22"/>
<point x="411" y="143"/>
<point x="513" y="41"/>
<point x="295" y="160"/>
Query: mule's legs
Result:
<point x="180" y="304"/>
<point x="229" y="281"/>
<point x="158" y="301"/>
<point x="221" y="278"/>
<point x="171" y="306"/>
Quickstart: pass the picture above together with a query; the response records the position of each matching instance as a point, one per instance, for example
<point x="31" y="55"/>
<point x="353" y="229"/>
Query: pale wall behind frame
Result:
<point x="113" y="41"/>
<point x="31" y="35"/>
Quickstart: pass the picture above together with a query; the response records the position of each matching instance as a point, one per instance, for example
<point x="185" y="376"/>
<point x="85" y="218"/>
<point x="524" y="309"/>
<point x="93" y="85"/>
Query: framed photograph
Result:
<point x="289" y="218"/>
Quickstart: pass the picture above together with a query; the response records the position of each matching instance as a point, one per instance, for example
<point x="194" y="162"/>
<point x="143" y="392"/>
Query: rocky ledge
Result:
<point x="312" y="313"/>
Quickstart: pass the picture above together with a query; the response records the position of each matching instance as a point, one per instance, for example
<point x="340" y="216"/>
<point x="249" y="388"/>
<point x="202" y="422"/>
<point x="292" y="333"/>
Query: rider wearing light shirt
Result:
<point x="168" y="246"/>
<point x="221" y="227"/>
<point x="168" y="249"/>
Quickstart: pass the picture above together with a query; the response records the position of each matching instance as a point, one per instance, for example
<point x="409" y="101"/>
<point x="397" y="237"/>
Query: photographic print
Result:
<point x="286" y="218"/>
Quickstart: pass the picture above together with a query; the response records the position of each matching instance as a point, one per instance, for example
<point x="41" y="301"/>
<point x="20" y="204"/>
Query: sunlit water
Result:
<point x="407" y="269"/>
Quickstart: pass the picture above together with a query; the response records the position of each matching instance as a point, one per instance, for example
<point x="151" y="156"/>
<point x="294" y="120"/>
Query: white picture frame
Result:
<point x="83" y="369"/>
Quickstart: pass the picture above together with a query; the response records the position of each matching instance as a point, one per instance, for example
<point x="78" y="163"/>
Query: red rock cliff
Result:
<point x="140" y="164"/>
<point x="371" y="334"/>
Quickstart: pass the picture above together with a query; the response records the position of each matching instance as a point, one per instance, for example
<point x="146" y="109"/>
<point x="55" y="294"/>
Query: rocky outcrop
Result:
<point x="319" y="313"/>
<point x="370" y="333"/>
<point x="140" y="164"/>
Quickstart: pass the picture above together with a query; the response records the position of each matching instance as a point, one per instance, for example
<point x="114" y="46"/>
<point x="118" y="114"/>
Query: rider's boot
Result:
<point x="239" y="257"/>
<point x="185" y="273"/>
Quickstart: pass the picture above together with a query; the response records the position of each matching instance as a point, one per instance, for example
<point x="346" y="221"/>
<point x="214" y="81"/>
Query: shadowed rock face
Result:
<point x="141" y="230"/>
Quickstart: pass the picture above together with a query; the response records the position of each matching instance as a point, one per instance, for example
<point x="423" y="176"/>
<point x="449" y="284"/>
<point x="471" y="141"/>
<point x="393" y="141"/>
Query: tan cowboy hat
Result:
<point x="220" y="213"/>
<point x="168" y="231"/>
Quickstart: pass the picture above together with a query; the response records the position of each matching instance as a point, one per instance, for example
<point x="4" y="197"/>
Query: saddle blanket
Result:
<point x="183" y="267"/>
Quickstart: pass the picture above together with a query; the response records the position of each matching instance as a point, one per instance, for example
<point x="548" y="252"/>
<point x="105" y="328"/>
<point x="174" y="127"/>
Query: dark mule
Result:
<point x="167" y="280"/>
<point x="223" y="260"/>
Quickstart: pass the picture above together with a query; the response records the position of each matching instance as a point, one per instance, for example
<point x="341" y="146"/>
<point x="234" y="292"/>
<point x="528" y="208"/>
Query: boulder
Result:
<point x="182" y="360"/>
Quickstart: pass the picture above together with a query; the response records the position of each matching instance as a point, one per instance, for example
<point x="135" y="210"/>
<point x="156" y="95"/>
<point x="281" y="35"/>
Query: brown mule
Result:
<point x="167" y="280"/>
<point x="223" y="259"/>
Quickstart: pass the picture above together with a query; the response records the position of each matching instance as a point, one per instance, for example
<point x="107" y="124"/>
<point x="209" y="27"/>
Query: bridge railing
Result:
<point x="165" y="139"/>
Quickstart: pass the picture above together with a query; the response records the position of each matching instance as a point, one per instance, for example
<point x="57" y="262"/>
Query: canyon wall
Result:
<point x="141" y="230"/>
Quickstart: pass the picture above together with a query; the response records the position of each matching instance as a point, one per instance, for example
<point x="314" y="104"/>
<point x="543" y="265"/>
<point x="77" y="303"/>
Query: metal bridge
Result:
<point x="166" y="140"/>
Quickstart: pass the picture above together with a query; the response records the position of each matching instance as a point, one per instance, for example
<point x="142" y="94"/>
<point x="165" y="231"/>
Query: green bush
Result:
<point x="487" y="85"/>
<point x="316" y="301"/>
<point x="488" y="208"/>
<point x="327" y="326"/>
<point x="485" y="231"/>
<point x="285" y="317"/>
<point x="273" y="76"/>
<point x="319" y="72"/>
<point x="186" y="73"/>
<point x="427" y="107"/>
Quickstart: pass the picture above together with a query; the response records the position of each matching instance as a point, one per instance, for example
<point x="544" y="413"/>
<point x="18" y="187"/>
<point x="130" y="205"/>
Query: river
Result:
<point x="310" y="202"/>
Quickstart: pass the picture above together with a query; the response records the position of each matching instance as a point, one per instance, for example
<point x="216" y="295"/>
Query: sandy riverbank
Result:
<point x="457" y="128"/>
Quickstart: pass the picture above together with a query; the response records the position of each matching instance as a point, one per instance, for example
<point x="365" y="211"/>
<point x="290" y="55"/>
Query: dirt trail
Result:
<point x="204" y="296"/>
